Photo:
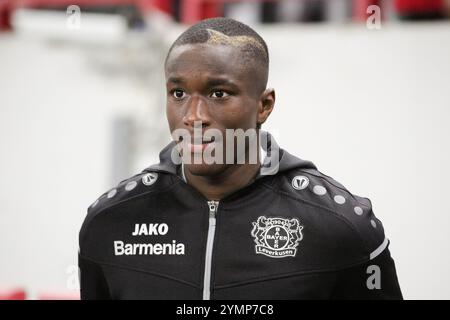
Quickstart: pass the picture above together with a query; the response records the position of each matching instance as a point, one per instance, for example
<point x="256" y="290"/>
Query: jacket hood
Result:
<point x="270" y="165"/>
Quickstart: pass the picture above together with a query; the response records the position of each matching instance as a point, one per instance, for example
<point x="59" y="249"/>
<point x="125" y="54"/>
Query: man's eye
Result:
<point x="178" y="93"/>
<point x="219" y="94"/>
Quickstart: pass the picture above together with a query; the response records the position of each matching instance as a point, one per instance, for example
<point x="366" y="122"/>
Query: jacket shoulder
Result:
<point x="127" y="190"/>
<point x="338" y="205"/>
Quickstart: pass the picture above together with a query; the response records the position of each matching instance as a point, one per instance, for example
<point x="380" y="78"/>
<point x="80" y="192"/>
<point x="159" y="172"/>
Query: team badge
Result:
<point x="277" y="237"/>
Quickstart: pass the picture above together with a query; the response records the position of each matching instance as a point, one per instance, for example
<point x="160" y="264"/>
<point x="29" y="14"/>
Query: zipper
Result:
<point x="213" y="206"/>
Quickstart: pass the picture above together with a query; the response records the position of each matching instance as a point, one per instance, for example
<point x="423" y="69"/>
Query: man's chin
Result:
<point x="206" y="170"/>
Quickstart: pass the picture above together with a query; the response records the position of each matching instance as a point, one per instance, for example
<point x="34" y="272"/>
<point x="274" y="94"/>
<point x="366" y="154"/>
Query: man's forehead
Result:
<point x="220" y="61"/>
<point x="203" y="52"/>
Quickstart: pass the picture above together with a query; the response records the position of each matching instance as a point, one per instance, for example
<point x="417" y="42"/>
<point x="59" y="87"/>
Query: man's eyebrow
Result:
<point x="220" y="81"/>
<point x="211" y="82"/>
<point x="175" y="80"/>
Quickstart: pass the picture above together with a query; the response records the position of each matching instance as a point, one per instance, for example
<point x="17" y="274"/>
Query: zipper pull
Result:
<point x="213" y="208"/>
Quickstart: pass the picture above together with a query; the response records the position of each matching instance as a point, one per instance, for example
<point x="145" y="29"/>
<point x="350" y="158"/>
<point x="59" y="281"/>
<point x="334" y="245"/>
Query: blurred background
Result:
<point x="363" y="90"/>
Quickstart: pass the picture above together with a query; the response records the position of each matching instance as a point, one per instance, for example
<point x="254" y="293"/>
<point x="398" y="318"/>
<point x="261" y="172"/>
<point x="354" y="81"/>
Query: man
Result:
<point x="243" y="226"/>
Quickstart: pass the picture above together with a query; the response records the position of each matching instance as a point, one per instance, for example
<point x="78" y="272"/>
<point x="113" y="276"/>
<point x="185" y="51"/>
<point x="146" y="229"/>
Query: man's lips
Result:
<point x="196" y="147"/>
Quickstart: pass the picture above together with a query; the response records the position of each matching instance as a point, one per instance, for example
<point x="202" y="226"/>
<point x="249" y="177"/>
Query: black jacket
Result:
<point x="297" y="234"/>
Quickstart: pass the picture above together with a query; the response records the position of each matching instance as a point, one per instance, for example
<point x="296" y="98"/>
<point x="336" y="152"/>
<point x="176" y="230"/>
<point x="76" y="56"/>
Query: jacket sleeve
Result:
<point x="93" y="285"/>
<point x="376" y="279"/>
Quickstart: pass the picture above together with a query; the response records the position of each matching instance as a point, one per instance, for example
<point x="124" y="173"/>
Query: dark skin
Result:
<point x="214" y="85"/>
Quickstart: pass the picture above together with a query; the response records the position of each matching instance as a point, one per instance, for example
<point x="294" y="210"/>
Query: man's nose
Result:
<point x="197" y="110"/>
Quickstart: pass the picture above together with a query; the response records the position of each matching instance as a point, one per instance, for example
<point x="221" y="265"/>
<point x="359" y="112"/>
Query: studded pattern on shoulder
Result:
<point x="128" y="188"/>
<point x="314" y="187"/>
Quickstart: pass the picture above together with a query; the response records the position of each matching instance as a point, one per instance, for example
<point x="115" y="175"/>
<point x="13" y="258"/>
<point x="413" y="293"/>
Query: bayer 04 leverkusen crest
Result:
<point x="277" y="237"/>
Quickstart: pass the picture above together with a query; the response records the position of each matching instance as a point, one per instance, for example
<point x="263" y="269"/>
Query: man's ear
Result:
<point x="266" y="104"/>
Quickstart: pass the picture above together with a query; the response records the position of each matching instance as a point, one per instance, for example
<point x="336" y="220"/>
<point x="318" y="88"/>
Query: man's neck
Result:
<point x="235" y="177"/>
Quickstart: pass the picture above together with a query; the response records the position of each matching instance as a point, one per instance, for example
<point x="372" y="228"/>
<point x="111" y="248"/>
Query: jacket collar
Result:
<point x="286" y="161"/>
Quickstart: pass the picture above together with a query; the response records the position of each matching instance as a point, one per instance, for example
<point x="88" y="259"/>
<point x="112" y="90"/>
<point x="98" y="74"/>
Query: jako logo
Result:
<point x="300" y="182"/>
<point x="151" y="229"/>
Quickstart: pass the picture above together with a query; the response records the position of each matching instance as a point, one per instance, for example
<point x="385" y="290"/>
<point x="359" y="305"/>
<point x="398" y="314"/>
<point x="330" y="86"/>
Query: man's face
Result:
<point x="211" y="84"/>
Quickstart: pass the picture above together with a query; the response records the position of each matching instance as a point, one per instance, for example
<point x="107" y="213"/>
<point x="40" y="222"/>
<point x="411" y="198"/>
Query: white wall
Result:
<point x="55" y="134"/>
<point x="368" y="107"/>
